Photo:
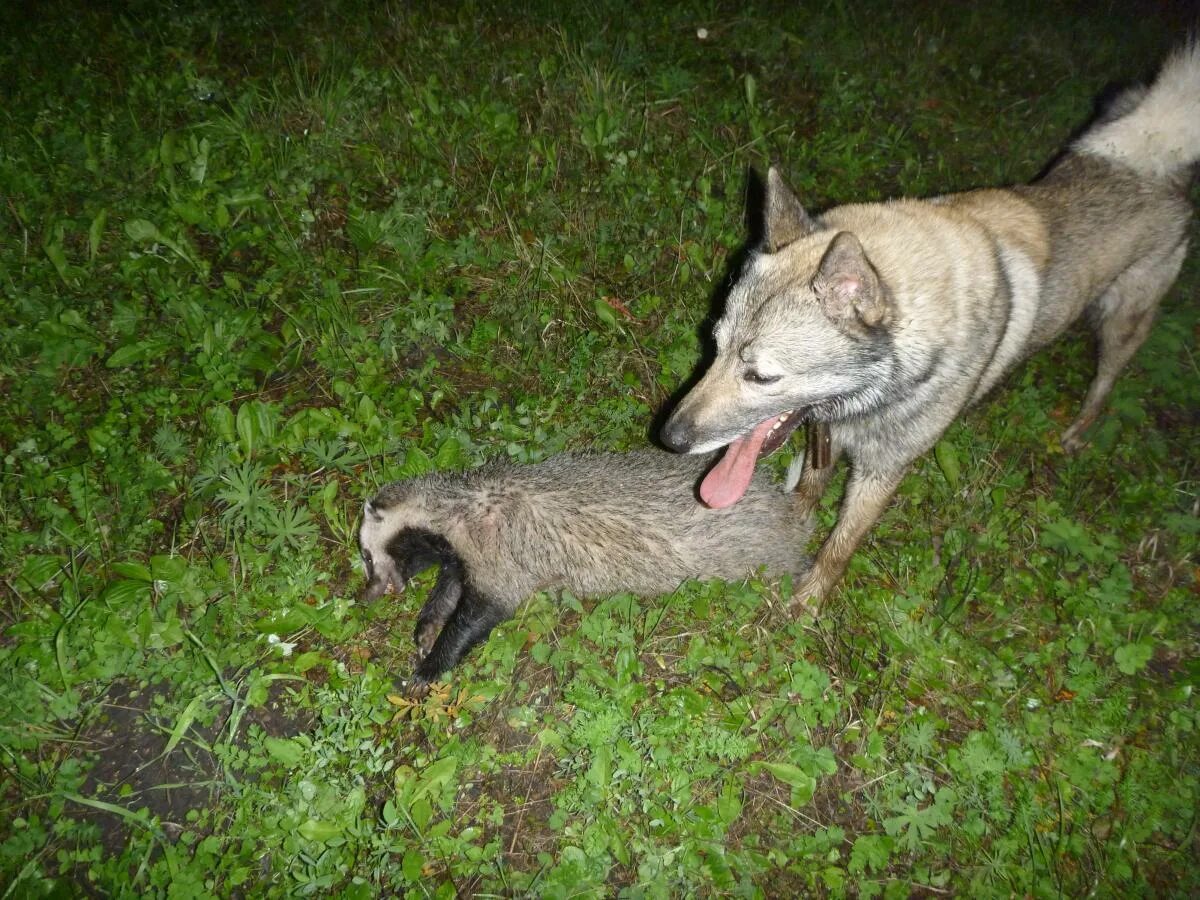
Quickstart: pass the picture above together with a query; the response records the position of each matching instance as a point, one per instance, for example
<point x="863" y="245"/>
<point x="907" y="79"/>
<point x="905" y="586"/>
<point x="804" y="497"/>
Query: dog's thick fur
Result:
<point x="594" y="524"/>
<point x="887" y="320"/>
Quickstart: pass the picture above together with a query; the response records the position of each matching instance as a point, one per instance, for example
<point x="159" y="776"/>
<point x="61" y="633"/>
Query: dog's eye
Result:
<point x="756" y="377"/>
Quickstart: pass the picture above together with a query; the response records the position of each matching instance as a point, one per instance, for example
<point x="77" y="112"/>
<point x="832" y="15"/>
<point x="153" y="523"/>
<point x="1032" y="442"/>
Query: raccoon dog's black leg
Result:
<point x="472" y="621"/>
<point x="412" y="551"/>
<point x="442" y="602"/>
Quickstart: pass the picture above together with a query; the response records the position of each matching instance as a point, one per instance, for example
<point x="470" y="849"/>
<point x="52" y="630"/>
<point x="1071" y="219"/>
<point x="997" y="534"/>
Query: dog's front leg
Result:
<point x="867" y="495"/>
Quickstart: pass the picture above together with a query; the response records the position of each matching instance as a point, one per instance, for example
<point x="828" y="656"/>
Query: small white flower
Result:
<point x="1033" y="703"/>
<point x="702" y="33"/>
<point x="285" y="647"/>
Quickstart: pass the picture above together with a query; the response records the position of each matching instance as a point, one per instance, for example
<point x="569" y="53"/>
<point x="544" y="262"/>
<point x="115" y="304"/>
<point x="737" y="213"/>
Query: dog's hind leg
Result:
<point x="1122" y="316"/>
<point x="867" y="495"/>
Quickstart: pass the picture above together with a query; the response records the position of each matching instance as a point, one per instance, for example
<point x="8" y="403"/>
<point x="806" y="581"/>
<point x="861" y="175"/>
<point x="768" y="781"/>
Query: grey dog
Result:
<point x="882" y="322"/>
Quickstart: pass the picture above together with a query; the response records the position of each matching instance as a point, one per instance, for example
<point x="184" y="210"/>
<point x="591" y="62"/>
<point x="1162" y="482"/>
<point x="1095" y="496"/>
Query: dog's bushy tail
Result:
<point x="1155" y="131"/>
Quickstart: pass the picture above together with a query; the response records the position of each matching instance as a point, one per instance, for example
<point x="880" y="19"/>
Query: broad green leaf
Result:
<point x="316" y="830"/>
<point x="135" y="352"/>
<point x="814" y="761"/>
<point x="421" y="811"/>
<point x="220" y="420"/>
<point x="449" y="454"/>
<point x="870" y="853"/>
<point x="434" y="776"/>
<point x="285" y="750"/>
<point x="39" y="572"/>
<point x="803" y="785"/>
<point x="947" y="459"/>
<point x="306" y="661"/>
<point x="787" y="773"/>
<point x="166" y="149"/>
<point x="255" y="423"/>
<point x="1067" y="534"/>
<point x="391" y="816"/>
<point x="170" y="569"/>
<point x="1133" y="657"/>
<point x="283" y="621"/>
<point x="96" y="233"/>
<point x="142" y="231"/>
<point x="416" y="462"/>
<point x="60" y="655"/>
<point x="121" y="593"/>
<point x="132" y="570"/>
<point x="411" y="865"/>
<point x="56" y="255"/>
<point x="605" y="313"/>
<point x="190" y="212"/>
<point x="247" y="429"/>
<point x="600" y="771"/>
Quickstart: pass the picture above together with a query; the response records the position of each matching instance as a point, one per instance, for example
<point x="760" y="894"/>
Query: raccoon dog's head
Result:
<point x="399" y="538"/>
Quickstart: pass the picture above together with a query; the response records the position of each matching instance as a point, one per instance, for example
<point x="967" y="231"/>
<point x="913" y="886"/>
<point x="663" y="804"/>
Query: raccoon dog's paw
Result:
<point x="417" y="688"/>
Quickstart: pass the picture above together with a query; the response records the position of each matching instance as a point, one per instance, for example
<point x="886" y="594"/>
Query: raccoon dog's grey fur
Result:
<point x="887" y="320"/>
<point x="593" y="524"/>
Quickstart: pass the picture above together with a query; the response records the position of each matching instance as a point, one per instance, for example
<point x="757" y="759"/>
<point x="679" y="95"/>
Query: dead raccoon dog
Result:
<point x="594" y="524"/>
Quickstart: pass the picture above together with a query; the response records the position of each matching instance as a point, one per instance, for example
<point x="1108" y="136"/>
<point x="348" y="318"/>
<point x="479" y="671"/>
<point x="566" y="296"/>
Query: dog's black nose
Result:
<point x="677" y="435"/>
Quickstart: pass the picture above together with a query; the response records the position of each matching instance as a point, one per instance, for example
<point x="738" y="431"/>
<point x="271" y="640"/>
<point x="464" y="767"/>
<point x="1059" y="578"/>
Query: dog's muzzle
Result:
<point x="678" y="435"/>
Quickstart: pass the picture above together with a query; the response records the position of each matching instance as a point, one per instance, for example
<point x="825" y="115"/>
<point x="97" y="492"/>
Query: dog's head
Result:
<point x="805" y="334"/>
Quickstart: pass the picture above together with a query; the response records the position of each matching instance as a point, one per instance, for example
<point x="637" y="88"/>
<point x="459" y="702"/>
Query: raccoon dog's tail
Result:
<point x="794" y="471"/>
<point x="1156" y="131"/>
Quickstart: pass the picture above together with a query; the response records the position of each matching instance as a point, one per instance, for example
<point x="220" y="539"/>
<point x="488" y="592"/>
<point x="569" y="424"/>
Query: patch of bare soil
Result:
<point x="127" y="740"/>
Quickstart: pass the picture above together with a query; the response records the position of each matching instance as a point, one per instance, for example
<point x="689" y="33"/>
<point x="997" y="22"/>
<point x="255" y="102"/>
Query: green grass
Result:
<point x="256" y="261"/>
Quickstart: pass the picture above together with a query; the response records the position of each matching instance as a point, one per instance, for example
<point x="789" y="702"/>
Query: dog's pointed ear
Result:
<point x="785" y="219"/>
<point x="847" y="284"/>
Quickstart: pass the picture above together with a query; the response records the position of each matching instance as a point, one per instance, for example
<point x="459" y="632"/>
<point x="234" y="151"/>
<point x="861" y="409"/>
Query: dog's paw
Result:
<point x="803" y="607"/>
<point x="806" y="597"/>
<point x="1072" y="443"/>
<point x="1073" y="439"/>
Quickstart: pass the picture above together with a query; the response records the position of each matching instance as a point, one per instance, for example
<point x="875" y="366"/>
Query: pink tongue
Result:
<point x="727" y="481"/>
